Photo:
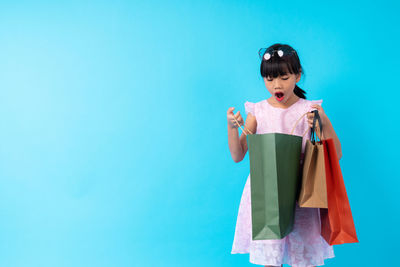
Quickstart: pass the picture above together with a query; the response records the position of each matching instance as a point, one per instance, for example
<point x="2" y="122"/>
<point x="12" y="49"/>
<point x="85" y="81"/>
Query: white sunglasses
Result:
<point x="268" y="53"/>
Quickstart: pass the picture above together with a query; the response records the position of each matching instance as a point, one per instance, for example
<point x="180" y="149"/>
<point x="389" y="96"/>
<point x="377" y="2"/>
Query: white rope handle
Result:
<point x="244" y="130"/>
<point x="308" y="128"/>
<point x="247" y="131"/>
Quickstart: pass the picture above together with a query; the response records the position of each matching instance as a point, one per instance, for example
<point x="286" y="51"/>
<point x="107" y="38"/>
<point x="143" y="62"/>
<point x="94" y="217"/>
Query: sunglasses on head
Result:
<point x="268" y="53"/>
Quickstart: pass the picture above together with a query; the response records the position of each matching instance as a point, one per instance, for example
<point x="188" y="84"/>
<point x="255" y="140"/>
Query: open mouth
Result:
<point x="279" y="96"/>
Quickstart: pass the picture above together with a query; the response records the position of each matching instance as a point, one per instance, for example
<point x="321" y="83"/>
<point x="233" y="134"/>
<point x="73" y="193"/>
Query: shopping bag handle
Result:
<point x="244" y="130"/>
<point x="316" y="117"/>
<point x="297" y="122"/>
<point x="313" y="129"/>
<point x="247" y="131"/>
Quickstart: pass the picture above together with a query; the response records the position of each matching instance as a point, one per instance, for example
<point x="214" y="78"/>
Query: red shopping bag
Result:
<point x="337" y="225"/>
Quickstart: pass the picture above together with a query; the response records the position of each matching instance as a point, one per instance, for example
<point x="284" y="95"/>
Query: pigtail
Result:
<point x="299" y="92"/>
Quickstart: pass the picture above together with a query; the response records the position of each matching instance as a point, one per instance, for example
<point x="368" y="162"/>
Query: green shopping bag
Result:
<point x="275" y="180"/>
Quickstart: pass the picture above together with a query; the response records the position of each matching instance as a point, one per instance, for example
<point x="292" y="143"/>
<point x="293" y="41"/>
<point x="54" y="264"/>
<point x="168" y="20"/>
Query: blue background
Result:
<point x="114" y="147"/>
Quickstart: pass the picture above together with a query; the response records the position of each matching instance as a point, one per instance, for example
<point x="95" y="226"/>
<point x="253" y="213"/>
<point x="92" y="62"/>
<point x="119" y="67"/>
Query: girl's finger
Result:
<point x="230" y="111"/>
<point x="236" y="123"/>
<point x="311" y="122"/>
<point x="319" y="108"/>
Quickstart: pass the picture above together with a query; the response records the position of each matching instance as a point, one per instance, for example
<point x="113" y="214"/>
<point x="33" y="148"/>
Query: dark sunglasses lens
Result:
<point x="286" y="51"/>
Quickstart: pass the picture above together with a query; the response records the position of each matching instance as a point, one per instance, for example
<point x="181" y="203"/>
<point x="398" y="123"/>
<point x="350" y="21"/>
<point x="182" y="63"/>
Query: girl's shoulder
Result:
<point x="252" y="107"/>
<point x="261" y="107"/>
<point x="312" y="101"/>
<point x="307" y="104"/>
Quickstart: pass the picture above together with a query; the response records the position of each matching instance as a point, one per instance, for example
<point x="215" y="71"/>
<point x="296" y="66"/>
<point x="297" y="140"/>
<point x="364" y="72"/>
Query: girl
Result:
<point x="304" y="246"/>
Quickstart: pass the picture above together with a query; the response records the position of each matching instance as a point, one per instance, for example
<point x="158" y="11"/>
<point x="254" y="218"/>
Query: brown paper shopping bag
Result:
<point x="313" y="192"/>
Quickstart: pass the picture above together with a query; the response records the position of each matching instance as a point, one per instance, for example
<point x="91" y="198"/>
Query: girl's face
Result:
<point x="281" y="88"/>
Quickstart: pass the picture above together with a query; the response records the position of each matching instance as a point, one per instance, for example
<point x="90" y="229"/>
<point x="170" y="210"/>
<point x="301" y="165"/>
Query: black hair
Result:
<point x="276" y="65"/>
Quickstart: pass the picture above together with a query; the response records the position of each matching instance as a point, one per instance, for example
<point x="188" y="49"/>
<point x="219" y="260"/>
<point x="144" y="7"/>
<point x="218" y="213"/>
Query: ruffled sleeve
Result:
<point x="313" y="102"/>
<point x="249" y="107"/>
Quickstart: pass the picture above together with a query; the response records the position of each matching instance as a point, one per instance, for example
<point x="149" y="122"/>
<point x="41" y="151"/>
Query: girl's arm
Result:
<point x="328" y="131"/>
<point x="238" y="146"/>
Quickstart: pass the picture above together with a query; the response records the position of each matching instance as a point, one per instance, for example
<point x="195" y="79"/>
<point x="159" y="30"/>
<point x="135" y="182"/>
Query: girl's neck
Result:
<point x="276" y="104"/>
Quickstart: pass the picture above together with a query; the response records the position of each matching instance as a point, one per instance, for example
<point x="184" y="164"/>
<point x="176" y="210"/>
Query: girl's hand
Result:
<point x="310" y="117"/>
<point x="231" y="116"/>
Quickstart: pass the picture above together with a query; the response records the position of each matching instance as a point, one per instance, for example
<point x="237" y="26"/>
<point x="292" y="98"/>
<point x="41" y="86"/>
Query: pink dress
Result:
<point x="304" y="246"/>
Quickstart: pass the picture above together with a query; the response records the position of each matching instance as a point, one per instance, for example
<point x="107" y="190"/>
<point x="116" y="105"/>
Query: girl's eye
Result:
<point x="281" y="78"/>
